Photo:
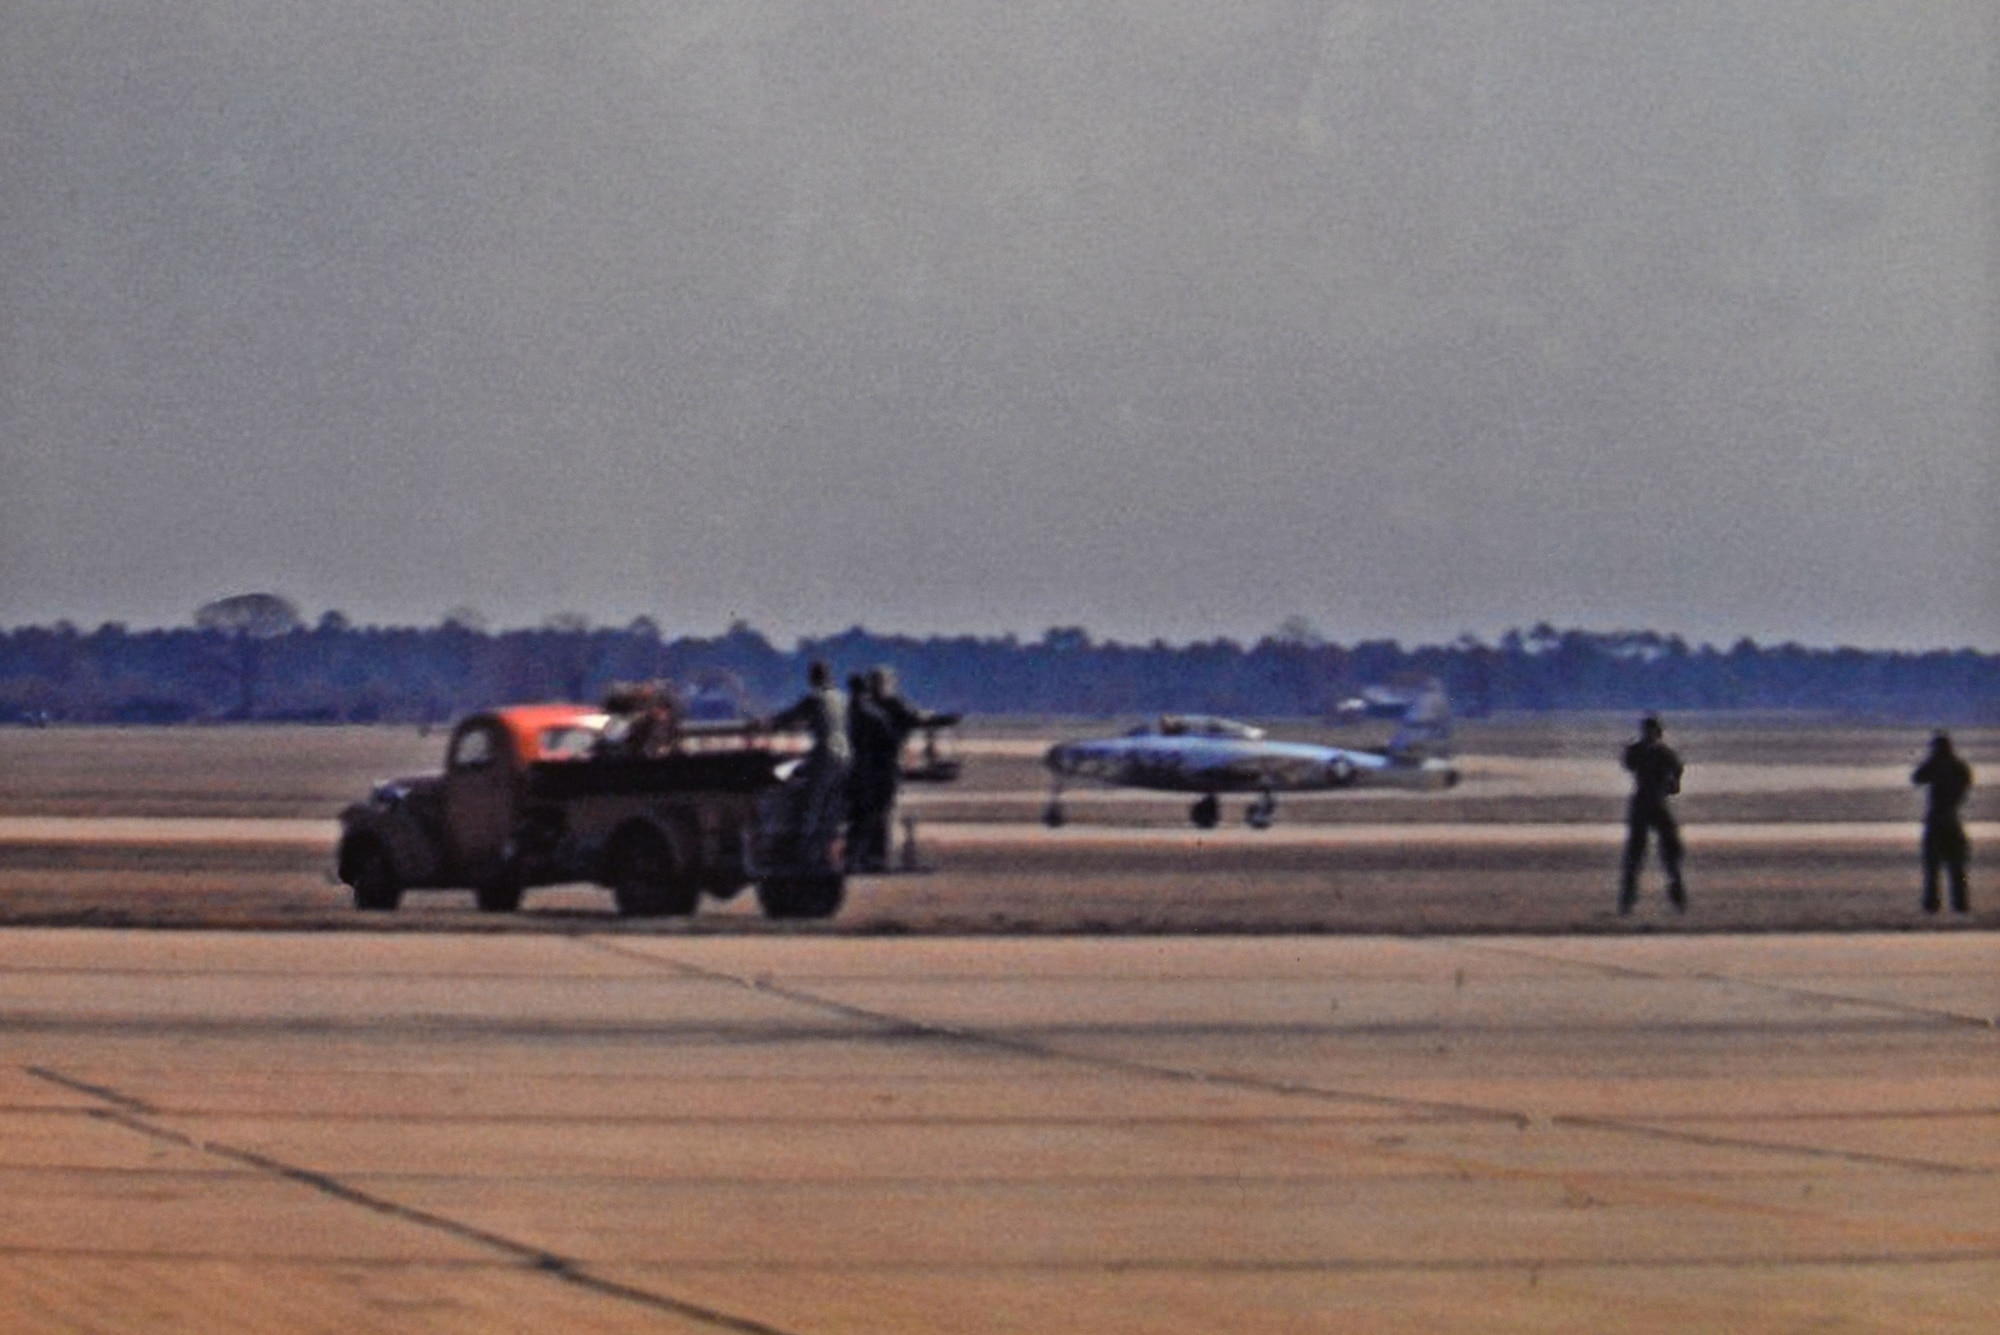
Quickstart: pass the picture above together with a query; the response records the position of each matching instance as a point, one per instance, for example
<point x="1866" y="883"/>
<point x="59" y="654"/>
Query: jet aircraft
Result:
<point x="1198" y="753"/>
<point x="1372" y="702"/>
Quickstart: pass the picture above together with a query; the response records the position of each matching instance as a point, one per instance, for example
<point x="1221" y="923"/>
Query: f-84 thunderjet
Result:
<point x="1198" y="753"/>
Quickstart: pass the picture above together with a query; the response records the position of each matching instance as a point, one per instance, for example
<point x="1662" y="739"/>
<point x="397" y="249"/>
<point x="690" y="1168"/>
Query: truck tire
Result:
<point x="503" y="897"/>
<point x="646" y="878"/>
<point x="801" y="894"/>
<point x="724" y="887"/>
<point x="373" y="876"/>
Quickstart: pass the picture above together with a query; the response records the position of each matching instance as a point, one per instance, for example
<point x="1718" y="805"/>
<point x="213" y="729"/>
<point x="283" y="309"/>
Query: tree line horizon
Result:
<point x="254" y="658"/>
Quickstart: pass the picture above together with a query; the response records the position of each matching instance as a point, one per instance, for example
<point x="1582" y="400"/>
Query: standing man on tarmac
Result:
<point x="820" y="786"/>
<point x="872" y="779"/>
<point x="1656" y="776"/>
<point x="1949" y="778"/>
<point x="878" y="759"/>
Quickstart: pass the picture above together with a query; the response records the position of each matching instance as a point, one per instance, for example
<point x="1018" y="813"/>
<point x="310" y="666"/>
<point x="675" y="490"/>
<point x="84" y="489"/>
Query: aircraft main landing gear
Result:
<point x="1206" y="813"/>
<point x="1261" y="811"/>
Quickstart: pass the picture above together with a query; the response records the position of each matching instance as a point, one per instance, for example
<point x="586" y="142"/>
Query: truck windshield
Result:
<point x="569" y="742"/>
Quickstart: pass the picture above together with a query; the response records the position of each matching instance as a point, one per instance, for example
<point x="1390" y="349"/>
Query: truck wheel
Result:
<point x="373" y="877"/>
<point x="724" y="887"/>
<point x="502" y="898"/>
<point x="645" y="879"/>
<point x="801" y="894"/>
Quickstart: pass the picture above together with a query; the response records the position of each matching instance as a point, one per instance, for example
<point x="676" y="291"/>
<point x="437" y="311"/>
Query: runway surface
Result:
<point x="449" y="1132"/>
<point x="320" y="835"/>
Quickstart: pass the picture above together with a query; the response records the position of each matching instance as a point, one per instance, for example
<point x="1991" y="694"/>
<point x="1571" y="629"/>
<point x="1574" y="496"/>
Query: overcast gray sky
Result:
<point x="1165" y="317"/>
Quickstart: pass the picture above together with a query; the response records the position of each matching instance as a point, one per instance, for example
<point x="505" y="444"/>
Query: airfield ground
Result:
<point x="1393" y="1065"/>
<point x="1792" y="826"/>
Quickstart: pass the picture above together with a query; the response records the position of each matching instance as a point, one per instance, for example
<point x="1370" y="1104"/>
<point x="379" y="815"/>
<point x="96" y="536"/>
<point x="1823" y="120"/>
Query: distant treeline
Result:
<point x="336" y="672"/>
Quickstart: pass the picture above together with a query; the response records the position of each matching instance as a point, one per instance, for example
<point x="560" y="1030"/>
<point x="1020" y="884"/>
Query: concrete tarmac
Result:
<point x="445" y="1132"/>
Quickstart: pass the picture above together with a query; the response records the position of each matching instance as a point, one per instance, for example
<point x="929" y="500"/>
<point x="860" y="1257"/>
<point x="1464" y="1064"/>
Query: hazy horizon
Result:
<point x="1167" y="319"/>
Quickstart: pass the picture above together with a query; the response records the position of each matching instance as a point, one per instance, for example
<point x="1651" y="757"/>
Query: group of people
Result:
<point x="1656" y="776"/>
<point x="851" y="772"/>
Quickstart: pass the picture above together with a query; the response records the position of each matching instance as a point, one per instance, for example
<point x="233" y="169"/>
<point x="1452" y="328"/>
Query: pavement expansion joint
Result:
<point x="893" y="1025"/>
<point x="1630" y="971"/>
<point x="1357" y="1265"/>
<point x="108" y="1095"/>
<point x="1842" y="999"/>
<point x="1713" y="1141"/>
<point x="132" y="1113"/>
<point x="239" y="1256"/>
<point x="1831" y="1115"/>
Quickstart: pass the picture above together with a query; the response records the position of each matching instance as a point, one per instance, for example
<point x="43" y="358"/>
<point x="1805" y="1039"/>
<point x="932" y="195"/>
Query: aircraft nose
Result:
<point x="1058" y="757"/>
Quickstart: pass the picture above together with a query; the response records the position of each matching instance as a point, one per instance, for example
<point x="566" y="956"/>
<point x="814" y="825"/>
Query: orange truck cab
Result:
<point x="543" y="794"/>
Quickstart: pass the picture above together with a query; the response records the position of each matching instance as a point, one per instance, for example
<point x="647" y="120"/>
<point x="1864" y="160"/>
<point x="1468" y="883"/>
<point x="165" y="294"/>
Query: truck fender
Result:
<point x="410" y="850"/>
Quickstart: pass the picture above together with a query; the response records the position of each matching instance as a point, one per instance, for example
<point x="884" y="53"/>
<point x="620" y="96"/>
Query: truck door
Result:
<point x="479" y="797"/>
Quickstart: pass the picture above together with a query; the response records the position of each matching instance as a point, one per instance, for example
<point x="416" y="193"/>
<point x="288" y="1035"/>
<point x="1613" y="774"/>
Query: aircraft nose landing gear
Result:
<point x="1206" y="812"/>
<point x="1261" y="811"/>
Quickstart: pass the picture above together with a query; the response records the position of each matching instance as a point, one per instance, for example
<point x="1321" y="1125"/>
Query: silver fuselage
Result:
<point x="1194" y="764"/>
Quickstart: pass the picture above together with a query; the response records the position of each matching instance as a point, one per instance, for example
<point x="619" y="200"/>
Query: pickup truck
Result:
<point x="542" y="795"/>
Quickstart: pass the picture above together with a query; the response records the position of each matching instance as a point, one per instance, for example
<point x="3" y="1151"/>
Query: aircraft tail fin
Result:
<point x="1425" y="731"/>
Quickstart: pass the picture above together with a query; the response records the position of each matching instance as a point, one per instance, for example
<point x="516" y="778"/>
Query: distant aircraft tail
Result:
<point x="1425" y="732"/>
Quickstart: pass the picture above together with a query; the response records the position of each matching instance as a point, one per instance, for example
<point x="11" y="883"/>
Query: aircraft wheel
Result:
<point x="1052" y="815"/>
<point x="1206" y="813"/>
<point x="1260" y="813"/>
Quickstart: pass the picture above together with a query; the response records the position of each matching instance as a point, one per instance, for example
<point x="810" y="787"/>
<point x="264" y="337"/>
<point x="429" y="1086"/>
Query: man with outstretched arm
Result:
<point x="878" y="751"/>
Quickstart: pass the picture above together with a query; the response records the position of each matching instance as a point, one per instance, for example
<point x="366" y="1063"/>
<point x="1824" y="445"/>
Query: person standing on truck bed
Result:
<point x="644" y="720"/>
<point x="820" y="785"/>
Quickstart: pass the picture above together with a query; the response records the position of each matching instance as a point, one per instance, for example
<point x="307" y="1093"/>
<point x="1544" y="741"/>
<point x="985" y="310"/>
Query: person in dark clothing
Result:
<point x="1949" y="778"/>
<point x="819" y="788"/>
<point x="871" y="780"/>
<point x="1656" y="776"/>
<point x="878" y="758"/>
